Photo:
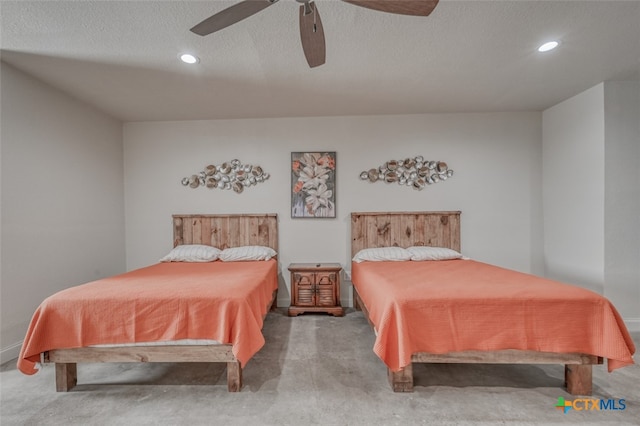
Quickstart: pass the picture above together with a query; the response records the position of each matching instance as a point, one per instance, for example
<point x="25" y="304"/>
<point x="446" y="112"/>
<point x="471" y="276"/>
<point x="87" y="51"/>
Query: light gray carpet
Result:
<point x="313" y="370"/>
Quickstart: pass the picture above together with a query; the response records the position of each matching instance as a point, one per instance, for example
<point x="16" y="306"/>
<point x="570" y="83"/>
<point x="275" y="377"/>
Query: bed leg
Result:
<point x="401" y="381"/>
<point x="578" y="378"/>
<point x="234" y="376"/>
<point x="66" y="376"/>
<point x="356" y="299"/>
<point x="274" y="302"/>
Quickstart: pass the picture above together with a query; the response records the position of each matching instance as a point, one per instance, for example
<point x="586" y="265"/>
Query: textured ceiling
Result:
<point x="468" y="56"/>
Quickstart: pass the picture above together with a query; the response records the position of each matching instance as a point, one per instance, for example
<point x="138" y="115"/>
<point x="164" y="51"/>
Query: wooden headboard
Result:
<point x="228" y="230"/>
<point x="405" y="229"/>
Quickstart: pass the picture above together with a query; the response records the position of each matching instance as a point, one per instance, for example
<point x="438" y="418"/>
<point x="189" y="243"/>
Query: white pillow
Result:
<point x="192" y="253"/>
<point x="238" y="254"/>
<point x="432" y="253"/>
<point x="381" y="254"/>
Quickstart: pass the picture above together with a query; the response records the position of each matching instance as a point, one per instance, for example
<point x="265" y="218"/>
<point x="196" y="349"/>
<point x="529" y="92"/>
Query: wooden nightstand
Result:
<point x="315" y="287"/>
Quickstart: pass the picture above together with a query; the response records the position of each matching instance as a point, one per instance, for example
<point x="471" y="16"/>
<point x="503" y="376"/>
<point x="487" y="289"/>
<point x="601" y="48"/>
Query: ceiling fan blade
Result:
<point x="230" y="16"/>
<point x="403" y="7"/>
<point x="312" y="35"/>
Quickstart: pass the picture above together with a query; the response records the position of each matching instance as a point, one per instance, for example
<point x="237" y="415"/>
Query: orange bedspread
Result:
<point x="457" y="305"/>
<point x="223" y="301"/>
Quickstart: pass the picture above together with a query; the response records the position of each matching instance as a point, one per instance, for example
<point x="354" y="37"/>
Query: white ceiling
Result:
<point x="468" y="56"/>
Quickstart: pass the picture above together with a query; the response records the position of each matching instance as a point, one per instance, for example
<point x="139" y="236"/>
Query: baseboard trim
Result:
<point x="10" y="352"/>
<point x="633" y="324"/>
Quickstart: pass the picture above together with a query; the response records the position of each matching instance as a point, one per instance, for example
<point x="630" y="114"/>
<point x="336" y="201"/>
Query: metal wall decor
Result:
<point x="414" y="172"/>
<point x="228" y="175"/>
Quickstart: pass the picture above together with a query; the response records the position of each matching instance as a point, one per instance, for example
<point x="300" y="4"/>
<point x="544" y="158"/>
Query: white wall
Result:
<point x="622" y="198"/>
<point x="62" y="220"/>
<point x="573" y="189"/>
<point x="497" y="185"/>
<point x="591" y="193"/>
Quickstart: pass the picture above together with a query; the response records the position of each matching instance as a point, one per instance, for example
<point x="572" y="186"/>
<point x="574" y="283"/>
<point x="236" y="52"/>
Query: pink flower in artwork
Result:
<point x="327" y="161"/>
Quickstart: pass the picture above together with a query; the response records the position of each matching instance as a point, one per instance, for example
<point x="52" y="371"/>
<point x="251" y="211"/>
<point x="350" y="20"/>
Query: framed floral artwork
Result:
<point x="313" y="184"/>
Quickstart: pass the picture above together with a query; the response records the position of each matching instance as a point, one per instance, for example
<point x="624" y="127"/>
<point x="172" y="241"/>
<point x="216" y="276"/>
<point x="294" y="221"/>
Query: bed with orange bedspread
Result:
<point x="469" y="311"/>
<point x="166" y="305"/>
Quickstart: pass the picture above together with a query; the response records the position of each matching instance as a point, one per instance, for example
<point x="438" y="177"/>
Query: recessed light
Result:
<point x="189" y="59"/>
<point x="550" y="45"/>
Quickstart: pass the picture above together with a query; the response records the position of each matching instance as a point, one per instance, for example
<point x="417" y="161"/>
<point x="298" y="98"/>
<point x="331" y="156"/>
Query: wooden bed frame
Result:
<point x="220" y="231"/>
<point x="442" y="229"/>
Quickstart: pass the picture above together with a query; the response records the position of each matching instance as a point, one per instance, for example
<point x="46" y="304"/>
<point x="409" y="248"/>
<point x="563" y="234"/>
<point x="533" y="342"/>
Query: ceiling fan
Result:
<point x="311" y="32"/>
